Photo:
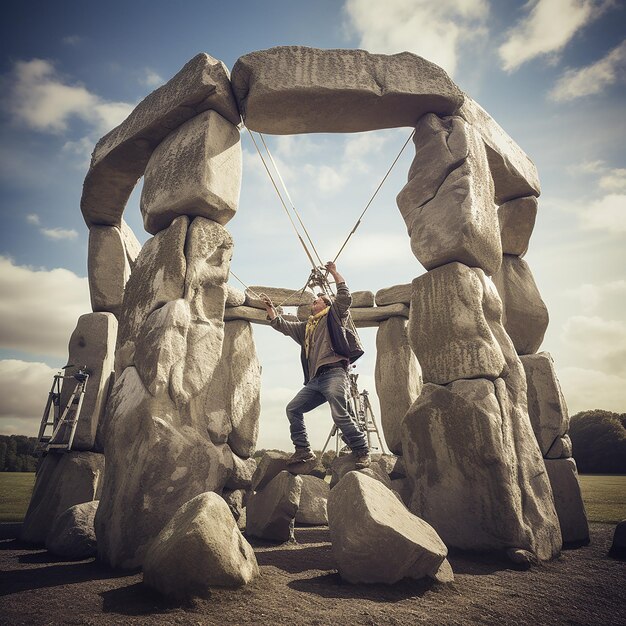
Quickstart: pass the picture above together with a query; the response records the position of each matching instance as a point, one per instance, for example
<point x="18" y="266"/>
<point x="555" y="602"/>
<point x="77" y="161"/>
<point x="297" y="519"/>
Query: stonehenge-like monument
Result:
<point x="173" y="403"/>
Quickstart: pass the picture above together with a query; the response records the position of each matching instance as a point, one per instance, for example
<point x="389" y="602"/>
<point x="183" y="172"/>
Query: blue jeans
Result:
<point x="330" y="386"/>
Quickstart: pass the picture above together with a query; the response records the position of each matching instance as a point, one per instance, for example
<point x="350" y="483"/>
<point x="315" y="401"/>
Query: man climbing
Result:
<point x="327" y="348"/>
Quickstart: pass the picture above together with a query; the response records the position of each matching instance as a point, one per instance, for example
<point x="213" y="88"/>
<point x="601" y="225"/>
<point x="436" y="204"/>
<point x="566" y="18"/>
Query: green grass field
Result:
<point x="604" y="496"/>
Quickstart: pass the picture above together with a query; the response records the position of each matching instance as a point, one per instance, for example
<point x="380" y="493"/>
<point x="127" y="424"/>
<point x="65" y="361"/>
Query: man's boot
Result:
<point x="301" y="455"/>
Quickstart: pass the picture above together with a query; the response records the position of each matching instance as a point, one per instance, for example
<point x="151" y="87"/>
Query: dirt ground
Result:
<point x="299" y="585"/>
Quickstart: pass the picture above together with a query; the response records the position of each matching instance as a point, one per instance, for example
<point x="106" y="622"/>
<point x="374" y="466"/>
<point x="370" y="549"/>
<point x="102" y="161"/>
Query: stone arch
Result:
<point x="479" y="376"/>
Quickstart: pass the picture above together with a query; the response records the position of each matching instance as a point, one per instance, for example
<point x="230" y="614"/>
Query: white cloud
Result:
<point x="33" y="218"/>
<point x="82" y="148"/>
<point x="593" y="78"/>
<point x="151" y="78"/>
<point x="72" y="40"/>
<point x="41" y="99"/>
<point x="586" y="389"/>
<point x="601" y="342"/>
<point x="59" y="233"/>
<point x="39" y="308"/>
<point x="24" y="390"/>
<point x="614" y="180"/>
<point x="434" y="30"/>
<point x="590" y="297"/>
<point x="547" y="28"/>
<point x="606" y="213"/>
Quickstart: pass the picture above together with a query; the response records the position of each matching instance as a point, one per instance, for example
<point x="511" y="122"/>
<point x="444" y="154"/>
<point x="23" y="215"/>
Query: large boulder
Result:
<point x="63" y="480"/>
<point x="313" y="499"/>
<point x="618" y="546"/>
<point x="158" y="278"/>
<point x="374" y="537"/>
<point x="120" y="157"/>
<point x="546" y="404"/>
<point x="156" y="461"/>
<point x="243" y="470"/>
<point x="271" y="464"/>
<point x="514" y="174"/>
<point x="396" y="294"/>
<point x="200" y="547"/>
<point x="447" y="204"/>
<point x="450" y="325"/>
<point x="92" y="344"/>
<point x="476" y="471"/>
<point x="195" y="171"/>
<point x="108" y="268"/>
<point x="398" y="378"/>
<point x="293" y="89"/>
<point x="525" y="315"/>
<point x="568" y="500"/>
<point x="270" y="514"/>
<point x="72" y="534"/>
<point x="517" y="220"/>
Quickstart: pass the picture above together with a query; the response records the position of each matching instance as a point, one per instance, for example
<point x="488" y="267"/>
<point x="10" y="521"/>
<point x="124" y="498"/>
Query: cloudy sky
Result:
<point x="551" y="72"/>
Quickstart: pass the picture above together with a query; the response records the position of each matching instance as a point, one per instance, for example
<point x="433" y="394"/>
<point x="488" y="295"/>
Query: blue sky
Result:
<point x="551" y="72"/>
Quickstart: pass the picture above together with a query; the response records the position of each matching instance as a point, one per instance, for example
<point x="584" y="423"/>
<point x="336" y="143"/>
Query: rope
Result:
<point x="358" y="222"/>
<point x="260" y="297"/>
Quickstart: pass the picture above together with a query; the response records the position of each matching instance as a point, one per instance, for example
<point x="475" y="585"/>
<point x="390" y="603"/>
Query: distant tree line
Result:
<point x="599" y="442"/>
<point x="17" y="453"/>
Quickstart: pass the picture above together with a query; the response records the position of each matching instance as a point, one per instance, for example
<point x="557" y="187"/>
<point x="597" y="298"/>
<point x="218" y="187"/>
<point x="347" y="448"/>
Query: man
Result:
<point x="325" y="357"/>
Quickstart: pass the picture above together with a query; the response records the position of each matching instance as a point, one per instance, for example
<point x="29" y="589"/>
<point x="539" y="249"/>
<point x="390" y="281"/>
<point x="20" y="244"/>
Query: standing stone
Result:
<point x="270" y="513"/>
<point x="195" y="171"/>
<point x="398" y="378"/>
<point x="230" y="403"/>
<point x="375" y="539"/>
<point x="158" y="278"/>
<point x="568" y="500"/>
<point x="513" y="173"/>
<point x="72" y="534"/>
<point x="525" y="314"/>
<point x="469" y="475"/>
<point x="313" y="500"/>
<point x="546" y="405"/>
<point x="120" y="157"/>
<point x="92" y="344"/>
<point x="517" y="220"/>
<point x="156" y="461"/>
<point x="449" y="326"/>
<point x="292" y="89"/>
<point x="200" y="547"/>
<point x="618" y="546"/>
<point x="449" y="209"/>
<point x="108" y="269"/>
<point x="63" y="480"/>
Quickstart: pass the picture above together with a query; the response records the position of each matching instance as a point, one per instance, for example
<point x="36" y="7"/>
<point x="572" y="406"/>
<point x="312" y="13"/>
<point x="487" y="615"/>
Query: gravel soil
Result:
<point x="299" y="585"/>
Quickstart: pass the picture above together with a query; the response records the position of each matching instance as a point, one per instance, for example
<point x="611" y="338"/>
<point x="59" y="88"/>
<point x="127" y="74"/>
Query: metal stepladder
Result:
<point x="363" y="415"/>
<point x="62" y="420"/>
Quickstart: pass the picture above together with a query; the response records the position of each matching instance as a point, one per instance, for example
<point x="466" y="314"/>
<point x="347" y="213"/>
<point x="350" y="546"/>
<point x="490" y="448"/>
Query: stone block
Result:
<point x="132" y="246"/>
<point x="195" y="171"/>
<point x="279" y="296"/>
<point x="72" y="534"/>
<point x="362" y="299"/>
<point x="158" y="278"/>
<point x="200" y="547"/>
<point x="234" y="296"/>
<point x="108" y="269"/>
<point x="63" y="480"/>
<point x="270" y="513"/>
<point x="517" y="220"/>
<point x="156" y="461"/>
<point x="243" y="471"/>
<point x="271" y="464"/>
<point x="92" y="344"/>
<point x="451" y="216"/>
<point x="547" y="408"/>
<point x="450" y="325"/>
<point x="120" y="157"/>
<point x="398" y="378"/>
<point x="525" y="315"/>
<point x="476" y="476"/>
<point x="513" y="173"/>
<point x="560" y="449"/>
<point x="293" y="89"/>
<point x="246" y="314"/>
<point x="375" y="538"/>
<point x="568" y="500"/>
<point x="313" y="499"/>
<point x="397" y="294"/>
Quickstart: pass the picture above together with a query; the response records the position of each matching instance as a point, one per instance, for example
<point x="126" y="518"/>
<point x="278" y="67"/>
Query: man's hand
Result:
<point x="269" y="306"/>
<point x="331" y="268"/>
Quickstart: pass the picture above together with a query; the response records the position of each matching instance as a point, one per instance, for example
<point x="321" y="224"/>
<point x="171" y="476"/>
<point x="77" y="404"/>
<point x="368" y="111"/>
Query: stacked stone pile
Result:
<point x="173" y="398"/>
